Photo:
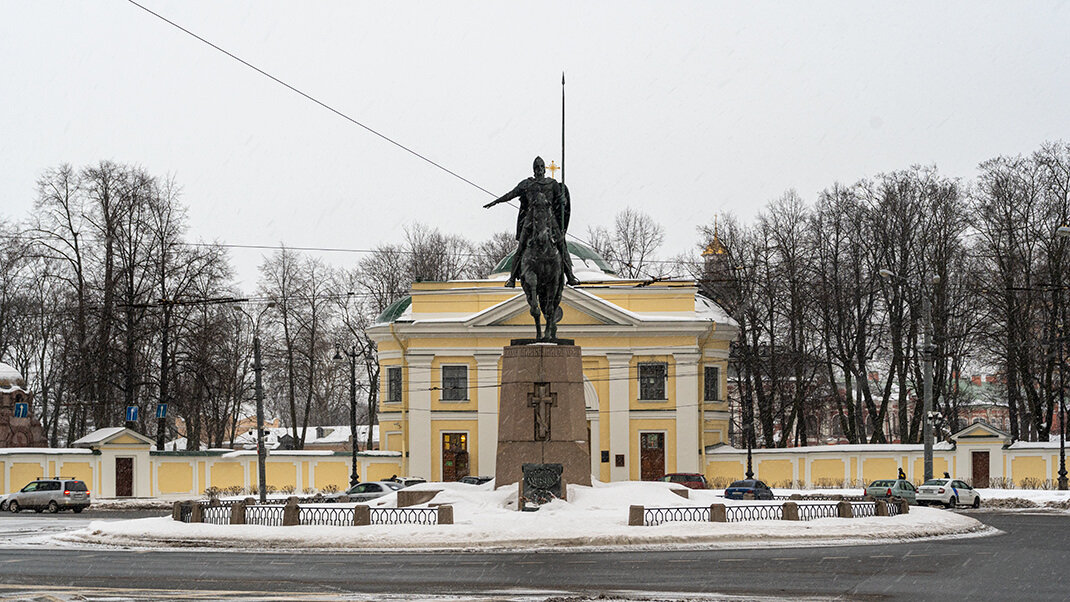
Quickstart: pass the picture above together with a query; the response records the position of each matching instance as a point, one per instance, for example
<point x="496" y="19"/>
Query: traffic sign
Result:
<point x="22" y="410"/>
<point x="161" y="410"/>
<point x="131" y="413"/>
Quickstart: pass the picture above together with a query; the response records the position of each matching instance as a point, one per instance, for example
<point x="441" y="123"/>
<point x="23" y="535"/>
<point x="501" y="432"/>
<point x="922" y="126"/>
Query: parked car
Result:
<point x="691" y="480"/>
<point x="362" y="492"/>
<point x="888" y="488"/>
<point x="3" y="501"/>
<point x="49" y="494"/>
<point x="409" y="481"/>
<point x="949" y="492"/>
<point x="474" y="480"/>
<point x="738" y="489"/>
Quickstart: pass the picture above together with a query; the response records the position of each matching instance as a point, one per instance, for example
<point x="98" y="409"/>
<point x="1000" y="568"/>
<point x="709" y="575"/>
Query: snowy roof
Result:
<point x="331" y="435"/>
<point x="9" y="375"/>
<point x="103" y="435"/>
<point x="7" y="451"/>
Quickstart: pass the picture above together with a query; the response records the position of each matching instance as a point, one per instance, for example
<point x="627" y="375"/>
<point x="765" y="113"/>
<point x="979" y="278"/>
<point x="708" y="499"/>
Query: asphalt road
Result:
<point x="1028" y="562"/>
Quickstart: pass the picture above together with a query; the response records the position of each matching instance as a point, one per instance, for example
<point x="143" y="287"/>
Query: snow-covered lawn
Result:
<point x="487" y="519"/>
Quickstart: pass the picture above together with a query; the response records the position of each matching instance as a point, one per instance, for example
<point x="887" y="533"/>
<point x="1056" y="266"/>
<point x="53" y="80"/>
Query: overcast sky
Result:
<point x="679" y="109"/>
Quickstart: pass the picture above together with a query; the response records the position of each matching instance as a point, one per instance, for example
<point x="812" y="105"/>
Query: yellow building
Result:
<point x="654" y="361"/>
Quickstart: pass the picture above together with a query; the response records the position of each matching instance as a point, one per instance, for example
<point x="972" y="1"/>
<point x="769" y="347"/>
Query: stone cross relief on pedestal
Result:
<point x="542" y="400"/>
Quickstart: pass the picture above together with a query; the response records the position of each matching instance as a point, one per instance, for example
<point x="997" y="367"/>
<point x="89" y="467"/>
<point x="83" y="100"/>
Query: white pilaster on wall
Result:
<point x="618" y="415"/>
<point x="487" y="421"/>
<point x="419" y="416"/>
<point x="688" y="421"/>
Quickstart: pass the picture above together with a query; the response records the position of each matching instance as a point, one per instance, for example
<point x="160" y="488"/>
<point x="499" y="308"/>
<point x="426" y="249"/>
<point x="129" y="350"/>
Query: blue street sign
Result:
<point x="131" y="413"/>
<point x="22" y="410"/>
<point x="161" y="410"/>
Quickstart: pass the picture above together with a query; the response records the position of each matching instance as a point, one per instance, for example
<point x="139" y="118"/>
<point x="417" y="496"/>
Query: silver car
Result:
<point x="362" y="492"/>
<point x="888" y="488"/>
<point x="50" y="494"/>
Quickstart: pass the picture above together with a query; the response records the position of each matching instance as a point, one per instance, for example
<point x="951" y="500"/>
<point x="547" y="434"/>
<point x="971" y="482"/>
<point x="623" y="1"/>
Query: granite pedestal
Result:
<point x="541" y="413"/>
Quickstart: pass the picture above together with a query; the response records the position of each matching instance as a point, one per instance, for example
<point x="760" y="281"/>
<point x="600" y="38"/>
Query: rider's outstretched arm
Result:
<point x="512" y="194"/>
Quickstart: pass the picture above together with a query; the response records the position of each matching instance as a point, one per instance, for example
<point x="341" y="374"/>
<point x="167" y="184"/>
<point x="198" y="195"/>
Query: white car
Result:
<point x="949" y="492"/>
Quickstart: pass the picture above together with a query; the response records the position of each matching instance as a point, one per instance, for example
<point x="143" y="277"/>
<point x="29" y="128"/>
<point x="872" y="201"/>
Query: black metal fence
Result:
<point x="686" y="514"/>
<point x="863" y="509"/>
<point x="339" y="516"/>
<point x="268" y="516"/>
<point x="816" y="511"/>
<point x="757" y="512"/>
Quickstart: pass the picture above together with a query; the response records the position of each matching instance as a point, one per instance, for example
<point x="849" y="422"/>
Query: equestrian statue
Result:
<point x="541" y="261"/>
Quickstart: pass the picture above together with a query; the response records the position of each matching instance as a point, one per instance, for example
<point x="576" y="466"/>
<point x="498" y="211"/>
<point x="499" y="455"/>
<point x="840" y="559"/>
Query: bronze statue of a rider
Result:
<point x="527" y="190"/>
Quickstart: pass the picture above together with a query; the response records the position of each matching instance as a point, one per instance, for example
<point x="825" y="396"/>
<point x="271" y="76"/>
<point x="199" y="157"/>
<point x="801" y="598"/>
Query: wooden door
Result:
<point x="980" y="469"/>
<point x="454" y="456"/>
<point x="124" y="477"/>
<point x="651" y="456"/>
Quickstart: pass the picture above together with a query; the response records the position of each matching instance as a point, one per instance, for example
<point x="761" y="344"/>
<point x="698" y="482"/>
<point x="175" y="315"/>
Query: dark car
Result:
<point x="692" y="480"/>
<point x="474" y="480"/>
<point x="758" y="489"/>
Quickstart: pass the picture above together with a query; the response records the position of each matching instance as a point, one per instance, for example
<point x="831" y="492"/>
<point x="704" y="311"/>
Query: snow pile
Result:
<point x="487" y="519"/>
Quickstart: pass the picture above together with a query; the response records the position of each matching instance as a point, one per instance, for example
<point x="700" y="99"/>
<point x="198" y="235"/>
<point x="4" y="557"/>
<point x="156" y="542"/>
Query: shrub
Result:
<point x="288" y="489"/>
<point x="719" y="482"/>
<point x="308" y="490"/>
<point x="1035" y="483"/>
<point x="332" y="488"/>
<point x="212" y="492"/>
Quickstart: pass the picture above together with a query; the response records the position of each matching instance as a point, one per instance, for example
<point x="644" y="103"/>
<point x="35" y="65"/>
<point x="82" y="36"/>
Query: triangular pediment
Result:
<point x="577" y="308"/>
<point x="979" y="430"/>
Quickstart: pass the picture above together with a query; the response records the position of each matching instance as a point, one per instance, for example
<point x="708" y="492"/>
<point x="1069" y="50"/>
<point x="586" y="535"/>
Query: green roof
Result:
<point x="576" y="248"/>
<point x="395" y="310"/>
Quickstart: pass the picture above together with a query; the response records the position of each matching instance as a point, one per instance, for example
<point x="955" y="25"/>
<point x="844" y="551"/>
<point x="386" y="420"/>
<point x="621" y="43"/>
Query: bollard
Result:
<point x="214" y="503"/>
<point x="718" y="513"/>
<point x="342" y="499"/>
<point x="791" y="511"/>
<point x="635" y="516"/>
<point x="362" y="515"/>
<point x="197" y="516"/>
<point x="249" y="501"/>
<point x="445" y="514"/>
<point x="881" y="509"/>
<point x="176" y="511"/>
<point x="748" y="496"/>
<point x="291" y="513"/>
<point x="796" y="496"/>
<point x="237" y="513"/>
<point x="844" y="510"/>
<point x="904" y="507"/>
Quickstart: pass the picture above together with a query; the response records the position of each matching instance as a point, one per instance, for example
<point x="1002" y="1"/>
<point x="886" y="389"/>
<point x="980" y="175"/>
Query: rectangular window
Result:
<point x="712" y="382"/>
<point x="652" y="377"/>
<point x="454" y="383"/>
<point x="393" y="383"/>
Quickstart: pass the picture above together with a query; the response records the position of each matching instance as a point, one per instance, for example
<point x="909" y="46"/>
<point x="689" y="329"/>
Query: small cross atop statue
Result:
<point x="553" y="167"/>
<point x="542" y="400"/>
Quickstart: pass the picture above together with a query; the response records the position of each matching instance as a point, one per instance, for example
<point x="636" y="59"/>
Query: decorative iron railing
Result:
<point x="316" y="515"/>
<point x="815" y="511"/>
<point x="863" y="509"/>
<point x="684" y="514"/>
<point x="756" y="512"/>
<point x="216" y="515"/>
<point x="893" y="509"/>
<point x="268" y="516"/>
<point x="404" y="516"/>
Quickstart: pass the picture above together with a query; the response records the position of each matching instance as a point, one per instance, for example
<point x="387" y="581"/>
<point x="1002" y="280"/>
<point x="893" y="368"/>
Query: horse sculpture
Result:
<point x="541" y="273"/>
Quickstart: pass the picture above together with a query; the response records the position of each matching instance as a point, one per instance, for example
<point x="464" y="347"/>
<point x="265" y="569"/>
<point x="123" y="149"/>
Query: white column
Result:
<point x="418" y="444"/>
<point x="487" y="421"/>
<point x="619" y="421"/>
<point x="688" y="416"/>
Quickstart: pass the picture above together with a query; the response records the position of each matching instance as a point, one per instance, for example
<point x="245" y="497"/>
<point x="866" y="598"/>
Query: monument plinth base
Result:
<point x="541" y="413"/>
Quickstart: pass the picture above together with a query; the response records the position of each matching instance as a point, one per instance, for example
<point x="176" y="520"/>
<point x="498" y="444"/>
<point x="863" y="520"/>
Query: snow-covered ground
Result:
<point x="486" y="519"/>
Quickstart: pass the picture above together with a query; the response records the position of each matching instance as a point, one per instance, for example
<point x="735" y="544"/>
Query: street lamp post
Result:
<point x="258" y="368"/>
<point x="1061" y="232"/>
<point x="354" y="478"/>
<point x="927" y="373"/>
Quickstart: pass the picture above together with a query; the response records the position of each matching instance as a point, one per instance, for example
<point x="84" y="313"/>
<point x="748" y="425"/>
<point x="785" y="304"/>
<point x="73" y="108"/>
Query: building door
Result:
<point x="124" y="477"/>
<point x="454" y="456"/>
<point x="651" y="456"/>
<point x="980" y="469"/>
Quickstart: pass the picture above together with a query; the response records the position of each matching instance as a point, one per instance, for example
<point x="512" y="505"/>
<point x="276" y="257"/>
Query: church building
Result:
<point x="654" y="371"/>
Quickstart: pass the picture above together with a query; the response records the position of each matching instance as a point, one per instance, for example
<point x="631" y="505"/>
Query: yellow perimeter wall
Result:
<point x="850" y="467"/>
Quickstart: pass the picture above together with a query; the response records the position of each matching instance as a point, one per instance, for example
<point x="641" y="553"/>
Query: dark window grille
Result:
<point x="652" y="377"/>
<point x="712" y="383"/>
<point x="393" y="386"/>
<point x="454" y="383"/>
